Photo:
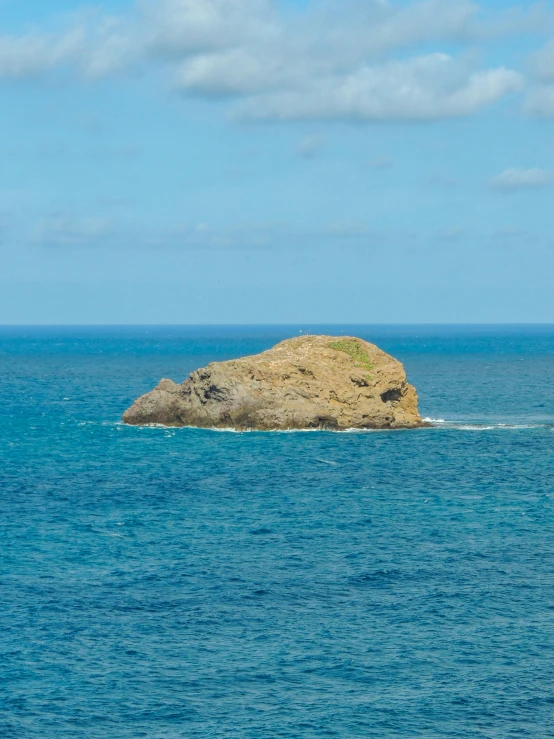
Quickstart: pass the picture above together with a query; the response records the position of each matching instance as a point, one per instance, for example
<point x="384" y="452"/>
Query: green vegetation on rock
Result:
<point x="352" y="348"/>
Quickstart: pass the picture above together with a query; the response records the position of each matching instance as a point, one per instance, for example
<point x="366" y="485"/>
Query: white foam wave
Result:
<point x="472" y="427"/>
<point x="487" y="426"/>
<point x="433" y="423"/>
<point x="231" y="430"/>
<point x="223" y="430"/>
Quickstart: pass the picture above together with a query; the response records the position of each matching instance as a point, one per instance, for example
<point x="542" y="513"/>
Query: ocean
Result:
<point x="184" y="583"/>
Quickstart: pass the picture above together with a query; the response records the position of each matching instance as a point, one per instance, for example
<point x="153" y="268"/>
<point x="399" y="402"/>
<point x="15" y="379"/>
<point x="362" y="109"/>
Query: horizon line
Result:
<point x="268" y="325"/>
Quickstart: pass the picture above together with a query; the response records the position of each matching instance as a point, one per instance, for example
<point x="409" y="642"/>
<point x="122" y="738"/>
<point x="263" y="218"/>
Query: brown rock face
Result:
<point x="309" y="382"/>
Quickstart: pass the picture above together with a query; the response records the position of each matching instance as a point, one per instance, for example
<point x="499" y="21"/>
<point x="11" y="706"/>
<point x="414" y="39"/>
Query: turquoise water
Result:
<point x="169" y="583"/>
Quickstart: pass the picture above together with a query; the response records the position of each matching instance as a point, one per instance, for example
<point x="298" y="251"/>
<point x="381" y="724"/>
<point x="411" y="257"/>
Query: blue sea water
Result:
<point x="172" y="583"/>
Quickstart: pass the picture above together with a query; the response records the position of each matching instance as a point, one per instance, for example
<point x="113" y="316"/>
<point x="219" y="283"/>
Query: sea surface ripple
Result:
<point x="172" y="583"/>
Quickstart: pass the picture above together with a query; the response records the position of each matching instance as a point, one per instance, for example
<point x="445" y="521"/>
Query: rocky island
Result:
<point x="308" y="382"/>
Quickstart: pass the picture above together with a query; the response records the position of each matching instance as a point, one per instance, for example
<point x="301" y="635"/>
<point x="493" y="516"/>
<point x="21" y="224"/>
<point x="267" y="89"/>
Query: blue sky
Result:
<point x="252" y="161"/>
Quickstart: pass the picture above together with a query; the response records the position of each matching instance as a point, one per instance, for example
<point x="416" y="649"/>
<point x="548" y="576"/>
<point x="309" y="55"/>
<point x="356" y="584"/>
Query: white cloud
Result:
<point x="177" y="27"/>
<point x="205" y="236"/>
<point x="232" y="72"/>
<point x="28" y="56"/>
<point x="109" y="49"/>
<point x="423" y="88"/>
<point x="320" y="66"/>
<point x="520" y="179"/>
<point x="542" y="62"/>
<point x="539" y="101"/>
<point x="95" y="46"/>
<point x="240" y="46"/>
<point x="330" y="60"/>
<point x="72" y="231"/>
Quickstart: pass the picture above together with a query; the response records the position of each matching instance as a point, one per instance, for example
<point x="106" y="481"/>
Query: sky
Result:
<point x="276" y="161"/>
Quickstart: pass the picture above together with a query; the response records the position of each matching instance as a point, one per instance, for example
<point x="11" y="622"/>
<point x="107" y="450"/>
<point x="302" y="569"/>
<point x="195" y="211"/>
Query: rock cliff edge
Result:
<point x="308" y="382"/>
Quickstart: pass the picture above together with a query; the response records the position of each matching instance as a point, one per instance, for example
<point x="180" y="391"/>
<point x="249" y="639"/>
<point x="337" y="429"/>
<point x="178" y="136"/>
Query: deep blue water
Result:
<point x="185" y="583"/>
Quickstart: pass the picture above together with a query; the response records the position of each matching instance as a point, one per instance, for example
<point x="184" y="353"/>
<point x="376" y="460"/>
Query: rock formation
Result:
<point x="309" y="382"/>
